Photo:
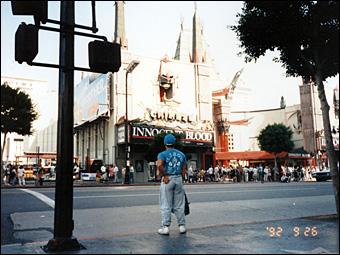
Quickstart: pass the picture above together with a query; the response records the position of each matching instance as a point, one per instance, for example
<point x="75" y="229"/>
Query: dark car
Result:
<point x="323" y="175"/>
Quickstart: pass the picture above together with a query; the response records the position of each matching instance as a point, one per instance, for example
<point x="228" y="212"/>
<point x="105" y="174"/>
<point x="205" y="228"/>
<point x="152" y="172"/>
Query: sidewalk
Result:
<point x="296" y="235"/>
<point x="236" y="238"/>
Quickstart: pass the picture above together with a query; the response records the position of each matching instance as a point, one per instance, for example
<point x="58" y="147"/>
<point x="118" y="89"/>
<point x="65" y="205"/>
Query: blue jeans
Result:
<point x="131" y="179"/>
<point x="14" y="181"/>
<point x="172" y="197"/>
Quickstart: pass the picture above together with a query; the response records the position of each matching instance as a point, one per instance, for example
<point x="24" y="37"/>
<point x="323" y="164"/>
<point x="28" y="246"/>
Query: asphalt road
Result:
<point x="103" y="211"/>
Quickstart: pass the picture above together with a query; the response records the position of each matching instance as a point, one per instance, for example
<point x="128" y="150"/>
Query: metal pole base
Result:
<point x="127" y="179"/>
<point x="62" y="244"/>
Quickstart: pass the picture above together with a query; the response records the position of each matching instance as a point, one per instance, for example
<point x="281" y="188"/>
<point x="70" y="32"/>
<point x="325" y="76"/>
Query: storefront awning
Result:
<point x="247" y="155"/>
<point x="299" y="153"/>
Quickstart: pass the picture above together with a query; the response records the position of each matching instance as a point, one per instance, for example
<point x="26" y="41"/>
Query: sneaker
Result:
<point x="164" y="230"/>
<point x="182" y="229"/>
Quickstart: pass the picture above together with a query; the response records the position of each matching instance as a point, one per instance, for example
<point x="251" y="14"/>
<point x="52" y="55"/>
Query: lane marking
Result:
<point x="188" y="193"/>
<point x="40" y="196"/>
<point x="51" y="202"/>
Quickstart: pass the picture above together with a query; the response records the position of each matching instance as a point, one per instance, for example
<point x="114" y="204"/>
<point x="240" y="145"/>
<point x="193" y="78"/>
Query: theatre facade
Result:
<point x="165" y="96"/>
<point x="161" y="94"/>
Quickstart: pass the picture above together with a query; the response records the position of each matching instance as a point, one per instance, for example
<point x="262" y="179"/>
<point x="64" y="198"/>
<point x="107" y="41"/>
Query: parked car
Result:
<point x="323" y="175"/>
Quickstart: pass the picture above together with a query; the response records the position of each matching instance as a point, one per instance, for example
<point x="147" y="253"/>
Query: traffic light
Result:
<point x="36" y="8"/>
<point x="104" y="56"/>
<point x="26" y="43"/>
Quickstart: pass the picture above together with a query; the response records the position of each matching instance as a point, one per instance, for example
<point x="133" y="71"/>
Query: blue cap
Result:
<point x="169" y="140"/>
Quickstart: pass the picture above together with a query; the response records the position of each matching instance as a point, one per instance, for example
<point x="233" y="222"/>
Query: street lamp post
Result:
<point x="129" y="69"/>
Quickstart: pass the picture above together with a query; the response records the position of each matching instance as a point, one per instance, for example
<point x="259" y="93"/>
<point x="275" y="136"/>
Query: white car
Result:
<point x="323" y="175"/>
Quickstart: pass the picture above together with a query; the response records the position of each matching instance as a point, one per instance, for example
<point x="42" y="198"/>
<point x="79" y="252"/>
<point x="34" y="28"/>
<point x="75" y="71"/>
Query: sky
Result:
<point x="152" y="29"/>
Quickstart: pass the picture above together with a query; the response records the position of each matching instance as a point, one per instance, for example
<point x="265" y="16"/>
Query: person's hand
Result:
<point x="166" y="179"/>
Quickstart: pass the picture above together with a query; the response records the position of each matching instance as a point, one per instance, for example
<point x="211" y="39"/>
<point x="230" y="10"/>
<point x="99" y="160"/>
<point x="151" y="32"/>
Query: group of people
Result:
<point x="297" y="173"/>
<point x="112" y="174"/>
<point x="254" y="173"/>
<point x="232" y="173"/>
<point x="12" y="173"/>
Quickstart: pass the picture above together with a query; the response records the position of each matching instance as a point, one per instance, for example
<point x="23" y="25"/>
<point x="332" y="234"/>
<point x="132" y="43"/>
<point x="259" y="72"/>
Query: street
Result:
<point x="109" y="211"/>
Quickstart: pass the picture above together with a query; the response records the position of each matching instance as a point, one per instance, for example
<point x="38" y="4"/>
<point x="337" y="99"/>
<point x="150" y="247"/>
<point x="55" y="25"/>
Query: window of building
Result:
<point x="231" y="142"/>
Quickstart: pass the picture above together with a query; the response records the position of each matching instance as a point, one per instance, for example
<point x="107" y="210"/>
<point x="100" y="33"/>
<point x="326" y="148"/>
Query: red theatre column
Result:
<point x="224" y="143"/>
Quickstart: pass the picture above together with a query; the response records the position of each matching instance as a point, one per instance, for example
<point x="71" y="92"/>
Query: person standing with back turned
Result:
<point x="172" y="164"/>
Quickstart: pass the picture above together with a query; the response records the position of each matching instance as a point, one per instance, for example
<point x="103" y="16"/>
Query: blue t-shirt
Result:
<point x="173" y="160"/>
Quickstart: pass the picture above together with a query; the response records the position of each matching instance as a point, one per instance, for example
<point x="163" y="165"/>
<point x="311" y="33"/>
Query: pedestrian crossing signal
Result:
<point x="36" y="8"/>
<point x="26" y="43"/>
<point x="104" y="56"/>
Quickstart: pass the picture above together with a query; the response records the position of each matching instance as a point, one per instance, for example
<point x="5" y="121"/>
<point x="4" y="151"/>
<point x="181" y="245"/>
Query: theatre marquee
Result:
<point x="145" y="134"/>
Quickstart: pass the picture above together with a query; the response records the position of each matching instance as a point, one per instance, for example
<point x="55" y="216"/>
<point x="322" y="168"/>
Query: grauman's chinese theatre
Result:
<point x="163" y="95"/>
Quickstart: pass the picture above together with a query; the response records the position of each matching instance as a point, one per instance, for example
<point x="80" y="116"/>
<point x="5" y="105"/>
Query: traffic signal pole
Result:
<point x="64" y="185"/>
<point x="63" y="213"/>
<point x="103" y="57"/>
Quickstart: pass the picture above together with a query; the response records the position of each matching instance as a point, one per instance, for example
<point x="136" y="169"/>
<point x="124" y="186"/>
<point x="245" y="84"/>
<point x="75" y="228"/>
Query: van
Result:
<point x="96" y="164"/>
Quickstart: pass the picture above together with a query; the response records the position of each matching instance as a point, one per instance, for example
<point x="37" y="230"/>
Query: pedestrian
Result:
<point x="52" y="170"/>
<point x="251" y="172"/>
<point x="224" y="172"/>
<point x="245" y="171"/>
<point x="98" y="176"/>
<point x="270" y="173"/>
<point x="103" y="172"/>
<point x="261" y="173"/>
<point x="216" y="173"/>
<point x="115" y="171"/>
<point x="131" y="178"/>
<point x="233" y="174"/>
<point x="299" y="173"/>
<point x="111" y="172"/>
<point x="13" y="176"/>
<point x="295" y="173"/>
<point x="238" y="175"/>
<point x="202" y="175"/>
<point x="8" y="174"/>
<point x="190" y="175"/>
<point x="303" y="174"/>
<point x="255" y="173"/>
<point x="123" y="174"/>
<point x="211" y="173"/>
<point x="308" y="174"/>
<point x="41" y="175"/>
<point x="206" y="174"/>
<point x="265" y="176"/>
<point x="76" y="171"/>
<point x="4" y="169"/>
<point x="172" y="164"/>
<point x="196" y="172"/>
<point x="21" y="176"/>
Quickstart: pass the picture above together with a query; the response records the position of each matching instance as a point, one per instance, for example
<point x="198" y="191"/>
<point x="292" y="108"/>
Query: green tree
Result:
<point x="17" y="113"/>
<point x="306" y="33"/>
<point x="275" y="139"/>
<point x="157" y="144"/>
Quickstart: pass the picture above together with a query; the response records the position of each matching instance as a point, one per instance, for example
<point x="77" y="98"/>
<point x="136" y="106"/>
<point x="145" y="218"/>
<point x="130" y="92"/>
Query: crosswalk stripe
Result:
<point x="42" y="197"/>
